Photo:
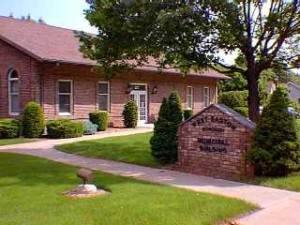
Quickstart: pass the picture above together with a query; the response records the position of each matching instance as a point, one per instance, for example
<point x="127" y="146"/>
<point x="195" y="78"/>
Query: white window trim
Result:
<point x="10" y="94"/>
<point x="108" y="94"/>
<point x="71" y="98"/>
<point x="206" y="96"/>
<point x="187" y="97"/>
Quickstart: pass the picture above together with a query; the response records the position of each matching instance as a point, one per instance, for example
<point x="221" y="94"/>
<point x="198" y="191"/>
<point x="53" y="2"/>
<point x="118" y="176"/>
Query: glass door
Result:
<point x="140" y="97"/>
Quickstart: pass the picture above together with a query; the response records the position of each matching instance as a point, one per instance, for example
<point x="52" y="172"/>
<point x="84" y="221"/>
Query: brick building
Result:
<point x="42" y="63"/>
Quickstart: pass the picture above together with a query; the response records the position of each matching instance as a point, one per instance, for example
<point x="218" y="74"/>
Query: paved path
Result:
<point x="278" y="207"/>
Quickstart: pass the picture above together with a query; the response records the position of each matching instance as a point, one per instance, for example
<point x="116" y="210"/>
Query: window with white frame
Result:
<point x="65" y="97"/>
<point x="206" y="96"/>
<point x="13" y="95"/>
<point x="103" y="96"/>
<point x="189" y="97"/>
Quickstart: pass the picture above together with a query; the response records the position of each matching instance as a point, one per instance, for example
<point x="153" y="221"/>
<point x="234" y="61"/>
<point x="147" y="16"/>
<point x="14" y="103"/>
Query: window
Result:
<point x="65" y="97"/>
<point x="103" y="96"/>
<point x="206" y="96"/>
<point x="13" y="95"/>
<point x="189" y="97"/>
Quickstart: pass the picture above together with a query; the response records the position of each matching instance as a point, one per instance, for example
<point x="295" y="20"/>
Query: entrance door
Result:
<point x="140" y="97"/>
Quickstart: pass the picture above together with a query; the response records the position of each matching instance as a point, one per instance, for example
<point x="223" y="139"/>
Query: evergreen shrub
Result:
<point x="130" y="114"/>
<point x="164" y="140"/>
<point x="100" y="118"/>
<point x="187" y="113"/>
<point x="64" y="128"/>
<point x="9" y="128"/>
<point x="33" y="120"/>
<point x="275" y="150"/>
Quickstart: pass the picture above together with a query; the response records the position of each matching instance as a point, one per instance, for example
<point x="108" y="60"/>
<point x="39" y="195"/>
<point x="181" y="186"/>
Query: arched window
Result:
<point x="13" y="92"/>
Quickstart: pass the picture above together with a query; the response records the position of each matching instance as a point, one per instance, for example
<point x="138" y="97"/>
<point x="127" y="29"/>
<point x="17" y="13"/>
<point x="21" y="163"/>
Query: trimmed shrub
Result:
<point x="89" y="127"/>
<point x="164" y="140"/>
<point x="33" y="120"/>
<point x="234" y="99"/>
<point x="187" y="113"/>
<point x="64" y="128"/>
<point x="174" y="103"/>
<point x="100" y="118"/>
<point x="9" y="128"/>
<point x="275" y="150"/>
<point x="244" y="111"/>
<point x="130" y="114"/>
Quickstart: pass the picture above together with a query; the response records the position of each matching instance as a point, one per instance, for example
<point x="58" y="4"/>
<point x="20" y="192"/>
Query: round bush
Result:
<point x="100" y="118"/>
<point x="234" y="99"/>
<point x="130" y="114"/>
<point x="33" y="120"/>
<point x="9" y="128"/>
<point x="89" y="127"/>
<point x="64" y="129"/>
<point x="187" y="113"/>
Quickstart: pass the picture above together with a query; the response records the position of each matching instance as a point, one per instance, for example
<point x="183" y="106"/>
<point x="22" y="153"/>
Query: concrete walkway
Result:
<point x="278" y="207"/>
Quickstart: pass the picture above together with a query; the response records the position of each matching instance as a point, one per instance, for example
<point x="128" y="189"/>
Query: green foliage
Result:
<point x="175" y="109"/>
<point x="130" y="114"/>
<point x="236" y="83"/>
<point x="275" y="150"/>
<point x="242" y="110"/>
<point x="187" y="113"/>
<point x="33" y="120"/>
<point x="9" y="128"/>
<point x="64" y="128"/>
<point x="89" y="127"/>
<point x="164" y="140"/>
<point x="234" y="99"/>
<point x="100" y="118"/>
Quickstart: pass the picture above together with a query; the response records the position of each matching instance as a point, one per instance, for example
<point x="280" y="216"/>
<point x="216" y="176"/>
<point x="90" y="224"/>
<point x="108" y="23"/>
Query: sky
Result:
<point x="61" y="13"/>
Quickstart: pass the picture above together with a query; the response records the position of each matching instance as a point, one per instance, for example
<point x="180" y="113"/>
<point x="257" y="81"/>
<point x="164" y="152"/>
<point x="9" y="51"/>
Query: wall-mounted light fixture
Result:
<point x="129" y="89"/>
<point x="153" y="90"/>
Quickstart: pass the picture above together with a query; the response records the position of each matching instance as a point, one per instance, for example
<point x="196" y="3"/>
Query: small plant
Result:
<point x="89" y="127"/>
<point x="100" y="118"/>
<point x="33" y="120"/>
<point x="64" y="128"/>
<point x="130" y="114"/>
<point x="187" y="113"/>
<point x="9" y="128"/>
<point x="275" y="150"/>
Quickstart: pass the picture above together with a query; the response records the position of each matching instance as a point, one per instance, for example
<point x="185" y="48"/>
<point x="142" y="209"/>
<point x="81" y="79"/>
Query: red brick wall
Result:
<point x="28" y="70"/>
<point x="228" y="164"/>
<point x="85" y="90"/>
<point x="39" y="82"/>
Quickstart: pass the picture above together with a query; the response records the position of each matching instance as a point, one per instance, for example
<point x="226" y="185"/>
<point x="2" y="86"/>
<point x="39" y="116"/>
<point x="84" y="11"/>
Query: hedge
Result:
<point x="9" y="128"/>
<point x="187" y="113"/>
<point x="234" y="99"/>
<point x="64" y="128"/>
<point x="100" y="118"/>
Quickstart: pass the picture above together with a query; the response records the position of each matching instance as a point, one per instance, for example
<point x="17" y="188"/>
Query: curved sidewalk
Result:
<point x="278" y="207"/>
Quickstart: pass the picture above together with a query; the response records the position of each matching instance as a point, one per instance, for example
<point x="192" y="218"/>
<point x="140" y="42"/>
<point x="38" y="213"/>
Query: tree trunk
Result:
<point x="253" y="99"/>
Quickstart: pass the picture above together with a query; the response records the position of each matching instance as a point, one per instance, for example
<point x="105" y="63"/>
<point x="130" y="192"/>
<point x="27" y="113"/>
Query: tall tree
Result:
<point x="188" y="34"/>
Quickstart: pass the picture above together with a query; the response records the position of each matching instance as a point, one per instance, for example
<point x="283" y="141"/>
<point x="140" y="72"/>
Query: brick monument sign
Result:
<point x="214" y="143"/>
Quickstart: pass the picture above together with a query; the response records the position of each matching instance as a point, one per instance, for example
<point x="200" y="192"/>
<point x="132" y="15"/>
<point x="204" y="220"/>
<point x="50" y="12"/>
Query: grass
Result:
<point x="30" y="190"/>
<point x="134" y="149"/>
<point x="13" y="141"/>
<point x="290" y="182"/>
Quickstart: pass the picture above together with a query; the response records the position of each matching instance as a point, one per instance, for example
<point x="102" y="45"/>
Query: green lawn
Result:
<point x="30" y="190"/>
<point x="12" y="141"/>
<point x="133" y="149"/>
<point x="291" y="182"/>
